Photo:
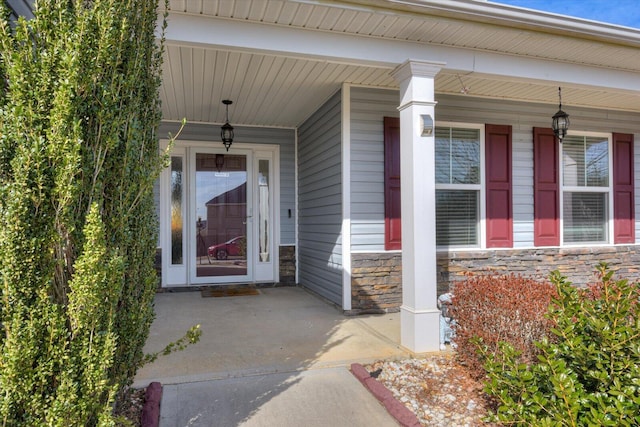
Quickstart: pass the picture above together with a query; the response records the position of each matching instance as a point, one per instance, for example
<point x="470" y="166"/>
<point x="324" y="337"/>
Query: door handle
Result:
<point x="245" y="221"/>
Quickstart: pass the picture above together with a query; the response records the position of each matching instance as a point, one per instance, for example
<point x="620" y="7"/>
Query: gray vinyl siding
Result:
<point x="368" y="109"/>
<point x="20" y="8"/>
<point x="523" y="117"/>
<point x="320" y="201"/>
<point x="367" y="173"/>
<point x="253" y="135"/>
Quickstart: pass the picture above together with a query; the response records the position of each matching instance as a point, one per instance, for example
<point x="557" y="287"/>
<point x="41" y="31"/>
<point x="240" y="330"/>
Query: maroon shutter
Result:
<point x="623" y="198"/>
<point x="498" y="185"/>
<point x="546" y="188"/>
<point x="392" y="218"/>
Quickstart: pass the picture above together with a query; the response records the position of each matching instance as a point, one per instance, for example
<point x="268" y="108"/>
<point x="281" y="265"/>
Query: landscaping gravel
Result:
<point x="436" y="388"/>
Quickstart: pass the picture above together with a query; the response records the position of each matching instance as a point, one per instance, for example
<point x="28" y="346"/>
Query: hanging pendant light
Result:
<point x="560" y="123"/>
<point x="226" y="131"/>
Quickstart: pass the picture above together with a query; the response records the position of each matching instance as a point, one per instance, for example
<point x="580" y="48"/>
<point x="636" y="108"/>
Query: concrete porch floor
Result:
<point x="275" y="359"/>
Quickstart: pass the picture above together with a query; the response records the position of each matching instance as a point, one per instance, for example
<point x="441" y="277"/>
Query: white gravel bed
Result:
<point x="435" y="388"/>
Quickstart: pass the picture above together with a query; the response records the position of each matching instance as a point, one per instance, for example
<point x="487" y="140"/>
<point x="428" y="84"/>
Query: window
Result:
<point x="458" y="186"/>
<point x="473" y="190"/>
<point x="585" y="189"/>
<point x="587" y="181"/>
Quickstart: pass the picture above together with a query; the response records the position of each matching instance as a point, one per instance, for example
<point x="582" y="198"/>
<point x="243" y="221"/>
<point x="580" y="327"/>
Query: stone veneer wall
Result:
<point x="577" y="264"/>
<point x="376" y="282"/>
<point x="288" y="265"/>
<point x="376" y="278"/>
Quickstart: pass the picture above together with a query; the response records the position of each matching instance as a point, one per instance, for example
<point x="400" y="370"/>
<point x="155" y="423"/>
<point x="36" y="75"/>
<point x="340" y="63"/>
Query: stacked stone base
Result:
<point x="288" y="265"/>
<point x="577" y="264"/>
<point x="376" y="279"/>
<point x="376" y="283"/>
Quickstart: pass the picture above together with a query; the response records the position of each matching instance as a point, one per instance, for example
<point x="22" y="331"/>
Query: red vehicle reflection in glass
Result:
<point x="233" y="247"/>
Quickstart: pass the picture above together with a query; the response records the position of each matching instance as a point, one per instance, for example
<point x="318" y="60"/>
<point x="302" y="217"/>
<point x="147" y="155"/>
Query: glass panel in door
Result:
<point x="173" y="205"/>
<point x="221" y="215"/>
<point x="264" y="213"/>
<point x="177" y="210"/>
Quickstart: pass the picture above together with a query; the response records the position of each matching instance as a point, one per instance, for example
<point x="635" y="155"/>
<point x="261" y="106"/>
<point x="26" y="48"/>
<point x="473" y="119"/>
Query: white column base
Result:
<point x="420" y="329"/>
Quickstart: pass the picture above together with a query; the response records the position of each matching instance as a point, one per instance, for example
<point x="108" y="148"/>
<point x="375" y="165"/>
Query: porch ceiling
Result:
<point x="272" y="88"/>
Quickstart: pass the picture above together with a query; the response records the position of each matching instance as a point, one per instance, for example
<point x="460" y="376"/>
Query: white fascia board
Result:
<point x="502" y="14"/>
<point x="343" y="48"/>
<point x="518" y="16"/>
<point x="244" y="36"/>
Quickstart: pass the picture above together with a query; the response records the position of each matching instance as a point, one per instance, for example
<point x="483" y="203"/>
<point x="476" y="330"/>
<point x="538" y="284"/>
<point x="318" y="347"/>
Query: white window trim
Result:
<point x="181" y="274"/>
<point x="608" y="189"/>
<point x="482" y="244"/>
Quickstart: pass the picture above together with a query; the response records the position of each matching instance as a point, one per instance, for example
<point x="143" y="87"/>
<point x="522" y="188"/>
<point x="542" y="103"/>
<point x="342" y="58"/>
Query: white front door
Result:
<point x="221" y="216"/>
<point x="217" y="212"/>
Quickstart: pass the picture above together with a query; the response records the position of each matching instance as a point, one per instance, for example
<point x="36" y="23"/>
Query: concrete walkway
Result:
<point x="280" y="358"/>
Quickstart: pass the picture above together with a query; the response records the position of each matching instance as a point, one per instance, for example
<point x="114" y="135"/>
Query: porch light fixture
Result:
<point x="463" y="89"/>
<point x="226" y="131"/>
<point x="560" y="123"/>
<point x="426" y="125"/>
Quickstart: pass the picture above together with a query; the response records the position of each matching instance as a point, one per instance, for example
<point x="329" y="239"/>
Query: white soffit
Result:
<point x="517" y="32"/>
<point x="242" y="46"/>
<point x="267" y="90"/>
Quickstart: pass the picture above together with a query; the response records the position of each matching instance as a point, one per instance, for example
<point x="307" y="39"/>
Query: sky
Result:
<point x="619" y="12"/>
<point x="210" y="184"/>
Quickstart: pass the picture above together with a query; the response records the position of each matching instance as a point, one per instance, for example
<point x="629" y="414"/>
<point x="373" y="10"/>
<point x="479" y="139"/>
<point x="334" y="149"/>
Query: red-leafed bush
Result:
<point x="498" y="308"/>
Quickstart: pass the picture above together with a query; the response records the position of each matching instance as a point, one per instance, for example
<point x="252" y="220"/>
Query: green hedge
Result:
<point x="79" y="156"/>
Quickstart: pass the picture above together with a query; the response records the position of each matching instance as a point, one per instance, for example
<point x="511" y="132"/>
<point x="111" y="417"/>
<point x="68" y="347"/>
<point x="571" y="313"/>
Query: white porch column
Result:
<point x="419" y="315"/>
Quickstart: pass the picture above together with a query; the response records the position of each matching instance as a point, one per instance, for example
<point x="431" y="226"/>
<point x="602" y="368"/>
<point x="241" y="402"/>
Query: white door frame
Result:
<point x="257" y="271"/>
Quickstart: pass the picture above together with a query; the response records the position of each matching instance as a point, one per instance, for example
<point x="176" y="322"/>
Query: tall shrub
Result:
<point x="79" y="155"/>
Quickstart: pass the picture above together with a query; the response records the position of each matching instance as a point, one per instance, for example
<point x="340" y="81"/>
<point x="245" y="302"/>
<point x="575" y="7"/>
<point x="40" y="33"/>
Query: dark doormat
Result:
<point x="229" y="291"/>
